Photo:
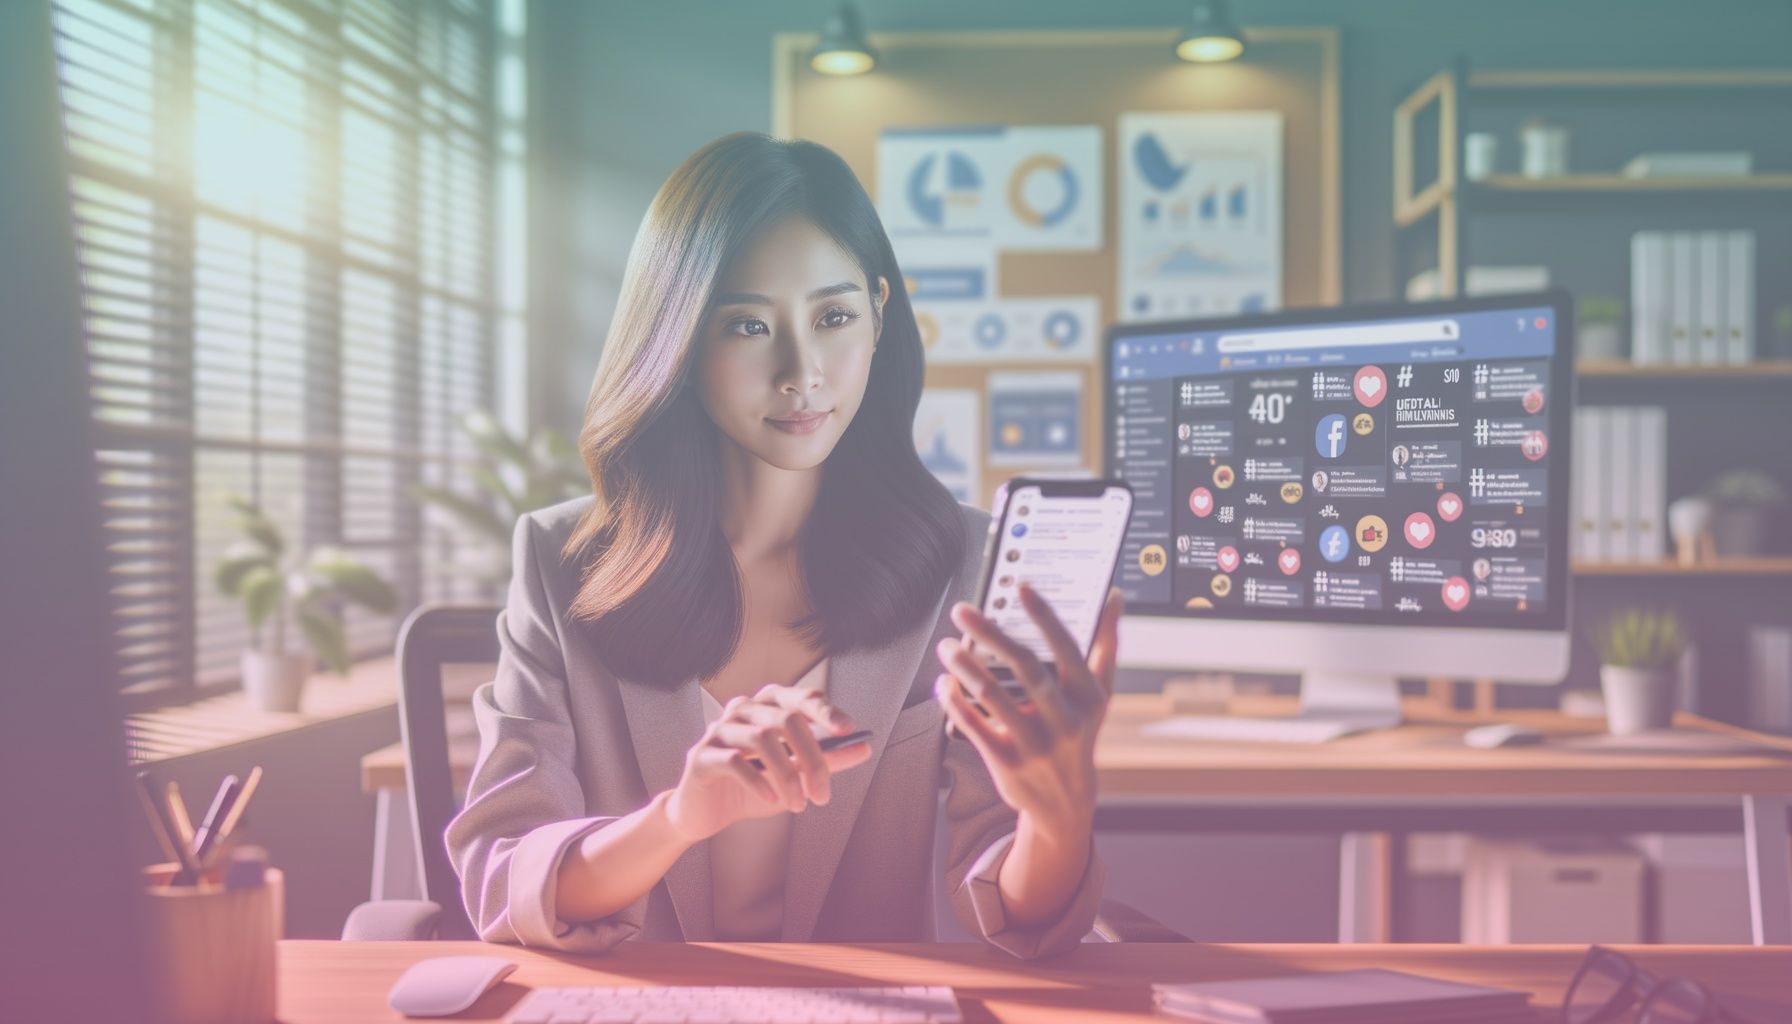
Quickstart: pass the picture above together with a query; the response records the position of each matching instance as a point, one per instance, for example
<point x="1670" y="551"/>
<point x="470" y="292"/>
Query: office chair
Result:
<point x="438" y="635"/>
<point x="433" y="636"/>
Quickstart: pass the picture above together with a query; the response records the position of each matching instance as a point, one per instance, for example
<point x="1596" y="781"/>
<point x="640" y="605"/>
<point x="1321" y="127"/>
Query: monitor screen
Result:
<point x="1401" y="469"/>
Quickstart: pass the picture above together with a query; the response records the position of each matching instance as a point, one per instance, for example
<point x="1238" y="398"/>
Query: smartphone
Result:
<point x="1062" y="538"/>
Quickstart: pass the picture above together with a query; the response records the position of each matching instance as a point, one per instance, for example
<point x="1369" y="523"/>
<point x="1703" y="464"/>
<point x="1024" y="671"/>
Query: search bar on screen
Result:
<point x="1399" y="333"/>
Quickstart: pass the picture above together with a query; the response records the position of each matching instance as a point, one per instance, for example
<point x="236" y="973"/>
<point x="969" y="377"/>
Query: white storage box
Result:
<point x="1534" y="892"/>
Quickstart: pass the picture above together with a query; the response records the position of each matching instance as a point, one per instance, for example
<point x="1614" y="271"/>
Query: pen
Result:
<point x="207" y="832"/>
<point x="177" y="812"/>
<point x="168" y="812"/>
<point x="241" y="803"/>
<point x="158" y="816"/>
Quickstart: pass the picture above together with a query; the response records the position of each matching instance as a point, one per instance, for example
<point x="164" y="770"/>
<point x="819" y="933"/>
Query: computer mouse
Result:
<point x="443" y="985"/>
<point x="1486" y="737"/>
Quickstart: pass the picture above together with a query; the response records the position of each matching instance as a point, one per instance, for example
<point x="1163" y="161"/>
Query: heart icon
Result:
<point x="1456" y="593"/>
<point x="1419" y="532"/>
<point x="1449" y="507"/>
<point x="1289" y="560"/>
<point x="1200" y="501"/>
<point x="1228" y="558"/>
<point x="1371" y="386"/>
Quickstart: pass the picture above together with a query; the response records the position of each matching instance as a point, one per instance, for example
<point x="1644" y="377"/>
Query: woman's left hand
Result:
<point x="1041" y="752"/>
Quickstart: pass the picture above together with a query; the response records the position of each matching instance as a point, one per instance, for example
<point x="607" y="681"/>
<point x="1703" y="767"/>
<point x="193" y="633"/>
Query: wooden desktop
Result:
<point x="1419" y="777"/>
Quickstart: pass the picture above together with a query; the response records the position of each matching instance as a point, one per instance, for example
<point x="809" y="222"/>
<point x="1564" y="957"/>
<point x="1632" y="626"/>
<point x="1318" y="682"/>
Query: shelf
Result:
<point x="1767" y="566"/>
<point x="1514" y="187"/>
<point x="1771" y="370"/>
<point x="1582" y="183"/>
<point x="1443" y="205"/>
<point x="1765" y="78"/>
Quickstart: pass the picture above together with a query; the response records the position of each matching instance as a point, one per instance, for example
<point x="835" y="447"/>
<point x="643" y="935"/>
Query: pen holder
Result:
<point x="212" y="949"/>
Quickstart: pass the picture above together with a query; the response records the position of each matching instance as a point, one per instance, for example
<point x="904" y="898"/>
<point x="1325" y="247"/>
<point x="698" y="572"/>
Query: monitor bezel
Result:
<point x="1557" y="584"/>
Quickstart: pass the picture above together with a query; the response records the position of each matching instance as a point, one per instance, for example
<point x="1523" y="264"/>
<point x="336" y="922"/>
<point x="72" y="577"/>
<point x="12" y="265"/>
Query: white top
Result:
<point x="747" y="859"/>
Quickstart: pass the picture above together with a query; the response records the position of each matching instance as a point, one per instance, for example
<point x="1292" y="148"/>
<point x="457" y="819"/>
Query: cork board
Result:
<point x="1082" y="77"/>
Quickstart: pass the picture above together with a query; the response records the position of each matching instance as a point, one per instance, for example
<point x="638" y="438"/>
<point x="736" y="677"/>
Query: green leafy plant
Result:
<point x="515" y="476"/>
<point x="1648" y="639"/>
<point x="1599" y="309"/>
<point x="1782" y="321"/>
<point x="1745" y="487"/>
<point x="273" y="583"/>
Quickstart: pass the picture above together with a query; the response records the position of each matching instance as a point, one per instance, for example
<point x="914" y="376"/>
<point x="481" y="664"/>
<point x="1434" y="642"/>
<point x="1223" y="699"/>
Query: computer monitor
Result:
<point x="1354" y="494"/>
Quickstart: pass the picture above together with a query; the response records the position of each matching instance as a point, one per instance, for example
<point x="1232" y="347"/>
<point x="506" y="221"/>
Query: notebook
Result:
<point x="1343" y="997"/>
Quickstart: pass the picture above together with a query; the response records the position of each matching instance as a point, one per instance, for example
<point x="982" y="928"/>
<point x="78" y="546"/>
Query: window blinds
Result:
<point x="285" y="215"/>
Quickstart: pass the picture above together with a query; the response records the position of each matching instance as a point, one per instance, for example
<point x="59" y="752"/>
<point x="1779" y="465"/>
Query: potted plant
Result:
<point x="1596" y="327"/>
<point x="1639" y="654"/>
<point x="274" y="585"/>
<point x="516" y="475"/>
<point x="1741" y="502"/>
<point x="1782" y="331"/>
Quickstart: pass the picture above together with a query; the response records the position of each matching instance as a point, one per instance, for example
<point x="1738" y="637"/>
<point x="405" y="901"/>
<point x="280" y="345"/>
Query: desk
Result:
<point x="1416" y="778"/>
<point x="340" y="982"/>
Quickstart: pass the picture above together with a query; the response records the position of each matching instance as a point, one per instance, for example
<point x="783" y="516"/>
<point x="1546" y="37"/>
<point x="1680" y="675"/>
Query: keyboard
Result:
<point x="1250" y="730"/>
<point x="919" y="1004"/>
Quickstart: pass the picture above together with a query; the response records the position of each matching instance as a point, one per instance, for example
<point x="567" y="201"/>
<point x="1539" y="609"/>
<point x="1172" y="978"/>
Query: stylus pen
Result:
<point x="206" y="834"/>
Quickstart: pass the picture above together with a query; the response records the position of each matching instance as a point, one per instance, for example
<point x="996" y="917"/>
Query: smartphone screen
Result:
<point x="1062" y="538"/>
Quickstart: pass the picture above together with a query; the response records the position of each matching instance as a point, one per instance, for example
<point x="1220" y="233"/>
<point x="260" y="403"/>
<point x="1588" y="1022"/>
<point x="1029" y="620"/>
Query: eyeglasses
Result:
<point x="1609" y="988"/>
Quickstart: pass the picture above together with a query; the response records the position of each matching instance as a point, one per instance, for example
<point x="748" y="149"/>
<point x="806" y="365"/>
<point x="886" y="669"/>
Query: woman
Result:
<point x="765" y="560"/>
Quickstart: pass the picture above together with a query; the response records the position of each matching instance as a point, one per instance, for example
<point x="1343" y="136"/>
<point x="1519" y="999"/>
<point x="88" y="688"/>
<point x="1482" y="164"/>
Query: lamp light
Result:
<point x="843" y="50"/>
<point x="1211" y="36"/>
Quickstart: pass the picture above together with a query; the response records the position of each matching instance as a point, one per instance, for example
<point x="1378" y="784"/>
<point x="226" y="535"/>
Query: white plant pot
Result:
<point x="275" y="682"/>
<point x="1638" y="700"/>
<point x="1599" y="342"/>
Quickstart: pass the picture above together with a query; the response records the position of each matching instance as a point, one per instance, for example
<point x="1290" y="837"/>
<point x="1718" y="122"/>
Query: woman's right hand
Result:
<point x="721" y="785"/>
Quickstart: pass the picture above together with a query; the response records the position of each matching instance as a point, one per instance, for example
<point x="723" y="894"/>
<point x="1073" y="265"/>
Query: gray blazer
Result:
<point x="566" y="747"/>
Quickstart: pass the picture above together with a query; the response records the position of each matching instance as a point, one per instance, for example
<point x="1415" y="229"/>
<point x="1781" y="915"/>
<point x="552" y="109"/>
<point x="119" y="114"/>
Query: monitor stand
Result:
<point x="1361" y="701"/>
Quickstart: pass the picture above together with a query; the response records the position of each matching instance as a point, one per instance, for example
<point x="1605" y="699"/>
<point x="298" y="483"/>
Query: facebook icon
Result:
<point x="1334" y="543"/>
<point x="1329" y="436"/>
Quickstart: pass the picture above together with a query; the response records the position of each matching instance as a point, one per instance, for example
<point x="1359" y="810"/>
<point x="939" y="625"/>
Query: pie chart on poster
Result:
<point x="928" y="196"/>
<point x="1042" y="191"/>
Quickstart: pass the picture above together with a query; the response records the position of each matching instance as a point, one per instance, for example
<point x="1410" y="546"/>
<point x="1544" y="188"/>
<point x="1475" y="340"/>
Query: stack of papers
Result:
<point x="1345" y="997"/>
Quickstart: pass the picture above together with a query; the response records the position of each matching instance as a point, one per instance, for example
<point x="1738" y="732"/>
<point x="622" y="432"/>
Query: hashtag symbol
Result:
<point x="1481" y="432"/>
<point x="1404" y="378"/>
<point x="1476" y="482"/>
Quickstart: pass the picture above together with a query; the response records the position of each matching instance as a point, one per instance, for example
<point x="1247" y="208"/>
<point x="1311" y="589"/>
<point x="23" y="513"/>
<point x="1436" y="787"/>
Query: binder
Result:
<point x="1650" y="483"/>
<point x="1620" y="490"/>
<point x="1588" y="492"/>
<point x="1739" y="293"/>
<point x="1682" y="298"/>
<point x="1711" y="303"/>
<point x="1648" y="298"/>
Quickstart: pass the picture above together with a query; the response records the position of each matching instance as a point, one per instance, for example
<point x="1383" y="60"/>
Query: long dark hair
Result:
<point x="660" y="586"/>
